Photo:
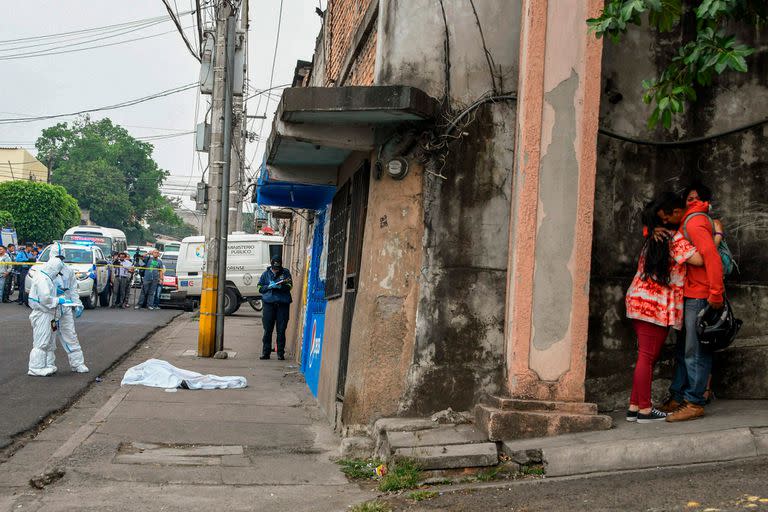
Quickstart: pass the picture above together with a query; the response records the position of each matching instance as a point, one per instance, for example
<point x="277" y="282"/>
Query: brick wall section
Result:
<point x="343" y="18"/>
<point x="361" y="72"/>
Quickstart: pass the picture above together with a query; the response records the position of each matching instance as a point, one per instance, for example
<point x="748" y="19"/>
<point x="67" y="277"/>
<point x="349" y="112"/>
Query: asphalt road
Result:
<point x="707" y="488"/>
<point x="105" y="335"/>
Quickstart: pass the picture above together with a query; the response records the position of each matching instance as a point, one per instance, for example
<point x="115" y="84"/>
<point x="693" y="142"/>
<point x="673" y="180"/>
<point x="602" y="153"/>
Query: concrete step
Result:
<point x="450" y="456"/>
<point x="442" y="435"/>
<point x="510" y="404"/>
<point x="509" y="424"/>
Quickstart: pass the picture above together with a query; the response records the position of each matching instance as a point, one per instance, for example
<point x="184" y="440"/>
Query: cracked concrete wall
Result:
<point x="411" y="46"/>
<point x="735" y="167"/>
<point x="459" y="352"/>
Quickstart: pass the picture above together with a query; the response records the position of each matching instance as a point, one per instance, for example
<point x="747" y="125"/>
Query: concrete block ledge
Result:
<point x="632" y="454"/>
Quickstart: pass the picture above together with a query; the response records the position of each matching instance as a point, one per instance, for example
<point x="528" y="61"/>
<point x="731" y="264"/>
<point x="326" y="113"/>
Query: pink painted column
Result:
<point x="553" y="200"/>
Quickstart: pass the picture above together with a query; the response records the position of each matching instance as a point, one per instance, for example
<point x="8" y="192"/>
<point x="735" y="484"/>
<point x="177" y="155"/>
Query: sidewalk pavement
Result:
<point x="730" y="430"/>
<point x="265" y="447"/>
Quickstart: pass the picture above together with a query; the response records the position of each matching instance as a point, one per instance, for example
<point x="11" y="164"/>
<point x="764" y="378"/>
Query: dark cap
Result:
<point x="277" y="260"/>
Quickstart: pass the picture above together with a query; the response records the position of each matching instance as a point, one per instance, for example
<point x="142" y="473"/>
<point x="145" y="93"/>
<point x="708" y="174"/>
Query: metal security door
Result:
<point x="358" y="209"/>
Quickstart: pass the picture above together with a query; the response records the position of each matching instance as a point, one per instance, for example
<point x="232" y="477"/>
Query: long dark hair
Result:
<point x="655" y="252"/>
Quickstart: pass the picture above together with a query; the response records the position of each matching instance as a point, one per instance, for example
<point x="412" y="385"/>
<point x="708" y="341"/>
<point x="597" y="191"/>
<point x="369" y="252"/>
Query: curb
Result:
<point x="677" y="450"/>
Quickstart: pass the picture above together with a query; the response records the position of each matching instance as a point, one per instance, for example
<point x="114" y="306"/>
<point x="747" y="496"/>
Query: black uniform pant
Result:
<point x="23" y="271"/>
<point x="274" y="315"/>
<point x="6" y="291"/>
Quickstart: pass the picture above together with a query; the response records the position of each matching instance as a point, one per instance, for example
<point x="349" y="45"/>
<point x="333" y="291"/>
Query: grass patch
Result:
<point x="422" y="495"/>
<point x="489" y="474"/>
<point x="536" y="470"/>
<point x="405" y="475"/>
<point x="359" y="469"/>
<point x="372" y="506"/>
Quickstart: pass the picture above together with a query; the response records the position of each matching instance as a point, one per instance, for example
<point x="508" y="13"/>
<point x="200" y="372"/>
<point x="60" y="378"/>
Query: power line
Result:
<point x="168" y="92"/>
<point x="88" y="37"/>
<point x="181" y="31"/>
<point x="92" y="29"/>
<point x="39" y="54"/>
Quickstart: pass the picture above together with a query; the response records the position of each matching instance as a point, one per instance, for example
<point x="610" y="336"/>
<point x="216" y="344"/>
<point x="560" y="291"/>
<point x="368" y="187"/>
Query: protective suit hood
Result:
<point x="52" y="267"/>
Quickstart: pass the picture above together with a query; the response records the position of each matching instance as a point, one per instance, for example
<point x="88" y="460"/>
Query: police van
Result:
<point x="248" y="256"/>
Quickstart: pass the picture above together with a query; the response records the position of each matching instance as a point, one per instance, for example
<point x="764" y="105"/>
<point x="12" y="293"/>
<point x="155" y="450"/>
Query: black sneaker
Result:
<point x="263" y="358"/>
<point x="654" y="415"/>
<point x="281" y="358"/>
<point x="631" y="415"/>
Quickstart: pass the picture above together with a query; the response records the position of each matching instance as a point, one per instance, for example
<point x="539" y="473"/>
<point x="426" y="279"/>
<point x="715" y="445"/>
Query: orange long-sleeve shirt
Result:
<point x="703" y="282"/>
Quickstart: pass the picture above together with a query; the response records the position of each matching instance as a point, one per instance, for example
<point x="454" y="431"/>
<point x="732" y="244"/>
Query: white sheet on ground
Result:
<point x="162" y="374"/>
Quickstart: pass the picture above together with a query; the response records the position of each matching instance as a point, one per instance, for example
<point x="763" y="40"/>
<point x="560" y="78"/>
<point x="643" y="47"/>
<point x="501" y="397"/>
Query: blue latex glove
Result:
<point x="64" y="300"/>
<point x="272" y="286"/>
<point x="60" y="290"/>
<point x="78" y="311"/>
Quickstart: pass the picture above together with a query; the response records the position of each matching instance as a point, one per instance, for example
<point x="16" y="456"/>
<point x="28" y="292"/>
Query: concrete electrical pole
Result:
<point x="237" y="180"/>
<point x="211" y="333"/>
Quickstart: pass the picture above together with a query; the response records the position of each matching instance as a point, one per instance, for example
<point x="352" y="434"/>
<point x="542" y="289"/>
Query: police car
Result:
<point x="91" y="270"/>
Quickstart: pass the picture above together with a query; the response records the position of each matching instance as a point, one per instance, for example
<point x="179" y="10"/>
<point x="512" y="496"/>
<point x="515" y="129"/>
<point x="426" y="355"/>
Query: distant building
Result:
<point x="194" y="219"/>
<point x="19" y="164"/>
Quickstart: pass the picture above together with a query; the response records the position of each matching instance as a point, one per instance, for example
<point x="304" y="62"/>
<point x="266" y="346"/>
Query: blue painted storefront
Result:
<point x="314" y="321"/>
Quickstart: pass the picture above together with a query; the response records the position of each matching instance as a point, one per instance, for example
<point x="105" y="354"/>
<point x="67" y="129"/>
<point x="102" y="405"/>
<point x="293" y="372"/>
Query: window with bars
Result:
<point x="337" y="242"/>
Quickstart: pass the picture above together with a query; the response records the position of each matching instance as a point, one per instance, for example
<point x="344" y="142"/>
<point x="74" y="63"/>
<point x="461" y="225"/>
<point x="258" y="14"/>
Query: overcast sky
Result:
<point x="74" y="81"/>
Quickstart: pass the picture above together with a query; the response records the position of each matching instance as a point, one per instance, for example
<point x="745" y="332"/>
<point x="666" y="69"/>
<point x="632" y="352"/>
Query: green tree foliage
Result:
<point x="6" y="219"/>
<point x="109" y="172"/>
<point x="712" y="50"/>
<point x="41" y="212"/>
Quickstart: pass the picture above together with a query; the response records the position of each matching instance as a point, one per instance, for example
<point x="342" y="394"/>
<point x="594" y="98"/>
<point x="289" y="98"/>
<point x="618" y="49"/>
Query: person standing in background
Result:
<point x="275" y="287"/>
<point x="6" y="292"/>
<point x="122" y="280"/>
<point x="5" y="271"/>
<point x="23" y="255"/>
<point x="153" y="275"/>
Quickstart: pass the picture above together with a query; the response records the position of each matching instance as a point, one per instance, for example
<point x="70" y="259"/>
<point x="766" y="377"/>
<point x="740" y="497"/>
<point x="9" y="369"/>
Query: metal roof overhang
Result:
<point x="315" y="129"/>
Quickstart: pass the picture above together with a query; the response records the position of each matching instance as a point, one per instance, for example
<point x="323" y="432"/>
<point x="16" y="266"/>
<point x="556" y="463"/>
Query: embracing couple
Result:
<point x="679" y="274"/>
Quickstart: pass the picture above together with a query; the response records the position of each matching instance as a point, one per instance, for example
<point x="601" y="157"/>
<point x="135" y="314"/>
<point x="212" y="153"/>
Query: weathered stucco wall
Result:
<point x="411" y="46"/>
<point x="553" y="202"/>
<point x="459" y="326"/>
<point x="381" y="344"/>
<point x="459" y="353"/>
<point x="735" y="167"/>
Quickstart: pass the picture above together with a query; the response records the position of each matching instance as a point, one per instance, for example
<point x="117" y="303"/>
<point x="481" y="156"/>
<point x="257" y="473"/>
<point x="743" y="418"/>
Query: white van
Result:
<point x="248" y="257"/>
<point x="109" y="240"/>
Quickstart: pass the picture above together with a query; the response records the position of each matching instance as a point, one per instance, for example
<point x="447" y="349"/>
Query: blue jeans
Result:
<point x="692" y="363"/>
<point x="158" y="291"/>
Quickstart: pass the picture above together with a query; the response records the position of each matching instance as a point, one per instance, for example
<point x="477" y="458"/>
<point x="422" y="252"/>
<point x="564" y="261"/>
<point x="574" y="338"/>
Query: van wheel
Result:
<point x="231" y="301"/>
<point x="256" y="304"/>
<point x="90" y="302"/>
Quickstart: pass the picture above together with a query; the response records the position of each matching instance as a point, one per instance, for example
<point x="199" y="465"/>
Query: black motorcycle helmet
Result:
<point x="717" y="328"/>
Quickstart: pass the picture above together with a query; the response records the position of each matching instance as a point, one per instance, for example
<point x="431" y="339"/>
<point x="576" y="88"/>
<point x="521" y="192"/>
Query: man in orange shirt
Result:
<point x="703" y="286"/>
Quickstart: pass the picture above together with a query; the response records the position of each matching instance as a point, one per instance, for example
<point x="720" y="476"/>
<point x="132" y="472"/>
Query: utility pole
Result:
<point x="237" y="180"/>
<point x="211" y="332"/>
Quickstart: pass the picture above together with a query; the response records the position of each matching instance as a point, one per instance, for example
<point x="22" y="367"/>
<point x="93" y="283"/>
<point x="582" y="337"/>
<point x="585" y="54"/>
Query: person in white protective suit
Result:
<point x="55" y="303"/>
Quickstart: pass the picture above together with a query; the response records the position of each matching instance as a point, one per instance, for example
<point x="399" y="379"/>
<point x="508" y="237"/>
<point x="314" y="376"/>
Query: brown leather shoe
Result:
<point x="669" y="406"/>
<point x="688" y="411"/>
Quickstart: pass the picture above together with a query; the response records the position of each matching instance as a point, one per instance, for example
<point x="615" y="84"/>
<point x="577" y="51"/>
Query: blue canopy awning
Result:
<point x="270" y="192"/>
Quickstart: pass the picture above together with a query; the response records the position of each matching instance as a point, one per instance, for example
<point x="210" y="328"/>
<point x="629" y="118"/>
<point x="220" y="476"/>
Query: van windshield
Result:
<point x="71" y="255"/>
<point x="103" y="242"/>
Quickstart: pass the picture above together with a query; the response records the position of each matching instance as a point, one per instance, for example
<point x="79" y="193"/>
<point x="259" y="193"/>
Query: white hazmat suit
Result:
<point x="52" y="297"/>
